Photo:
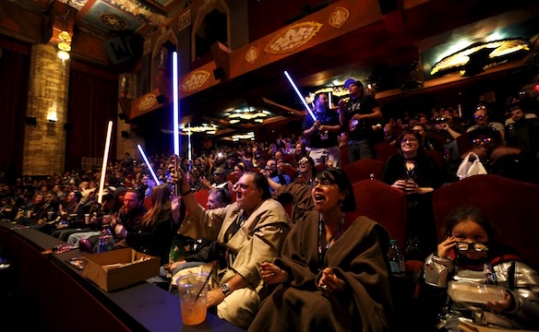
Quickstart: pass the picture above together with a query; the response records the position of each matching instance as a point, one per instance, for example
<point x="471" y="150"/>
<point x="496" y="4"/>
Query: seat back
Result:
<point x="290" y="159"/>
<point x="345" y="157"/>
<point x="202" y="196"/>
<point x="512" y="207"/>
<point x="362" y="169"/>
<point x="437" y="157"/>
<point x="232" y="177"/>
<point x="383" y="204"/>
<point x="290" y="171"/>
<point x="384" y="150"/>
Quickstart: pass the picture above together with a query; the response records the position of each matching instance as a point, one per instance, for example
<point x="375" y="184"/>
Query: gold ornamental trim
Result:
<point x="147" y="102"/>
<point x="252" y="54"/>
<point x="293" y="37"/>
<point x="338" y="17"/>
<point x="194" y="81"/>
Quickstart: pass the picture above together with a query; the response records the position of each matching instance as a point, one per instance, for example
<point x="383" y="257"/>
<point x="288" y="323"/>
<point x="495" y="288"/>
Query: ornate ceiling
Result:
<point x="396" y="48"/>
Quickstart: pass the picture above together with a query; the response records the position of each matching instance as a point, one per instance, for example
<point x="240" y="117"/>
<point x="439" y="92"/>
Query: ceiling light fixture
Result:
<point x="250" y="136"/>
<point x="479" y="56"/>
<point x="248" y="115"/>
<point x="204" y="128"/>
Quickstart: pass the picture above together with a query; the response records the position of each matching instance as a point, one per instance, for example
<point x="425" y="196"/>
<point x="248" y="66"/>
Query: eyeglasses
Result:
<point x="441" y="120"/>
<point x="477" y="246"/>
<point x="486" y="140"/>
<point x="323" y="182"/>
<point x="411" y="140"/>
<point x="479" y="116"/>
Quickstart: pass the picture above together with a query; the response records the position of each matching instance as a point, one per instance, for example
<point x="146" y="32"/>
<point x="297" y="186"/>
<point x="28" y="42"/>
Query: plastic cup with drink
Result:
<point x="193" y="290"/>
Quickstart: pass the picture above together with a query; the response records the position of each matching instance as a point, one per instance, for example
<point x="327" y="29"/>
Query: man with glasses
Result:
<point x="275" y="174"/>
<point x="480" y="117"/>
<point x="252" y="230"/>
<point x="297" y="194"/>
<point x="219" y="178"/>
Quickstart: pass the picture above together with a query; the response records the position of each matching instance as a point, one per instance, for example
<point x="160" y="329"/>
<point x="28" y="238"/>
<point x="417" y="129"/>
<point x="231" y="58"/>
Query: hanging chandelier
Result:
<point x="480" y="56"/>
<point x="247" y="115"/>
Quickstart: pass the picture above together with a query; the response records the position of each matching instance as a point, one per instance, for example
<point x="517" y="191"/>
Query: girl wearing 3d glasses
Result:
<point x="476" y="280"/>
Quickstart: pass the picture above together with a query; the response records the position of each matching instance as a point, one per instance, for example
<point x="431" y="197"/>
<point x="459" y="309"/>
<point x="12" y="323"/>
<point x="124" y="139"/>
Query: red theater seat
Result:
<point x="383" y="204"/>
<point x="363" y="168"/>
<point x="512" y="206"/>
<point x="384" y="150"/>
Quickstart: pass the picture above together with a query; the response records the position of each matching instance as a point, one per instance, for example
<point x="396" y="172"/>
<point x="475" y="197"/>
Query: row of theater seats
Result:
<point x="511" y="205"/>
<point x="385" y="150"/>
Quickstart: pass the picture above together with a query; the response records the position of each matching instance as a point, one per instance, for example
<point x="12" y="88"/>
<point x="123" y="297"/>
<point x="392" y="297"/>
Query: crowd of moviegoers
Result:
<point x="268" y="220"/>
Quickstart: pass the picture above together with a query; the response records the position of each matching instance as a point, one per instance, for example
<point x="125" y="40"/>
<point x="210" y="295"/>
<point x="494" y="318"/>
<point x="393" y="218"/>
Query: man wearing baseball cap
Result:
<point x="357" y="116"/>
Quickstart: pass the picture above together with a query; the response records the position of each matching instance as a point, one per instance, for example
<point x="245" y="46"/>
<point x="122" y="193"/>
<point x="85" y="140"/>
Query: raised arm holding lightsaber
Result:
<point x="300" y="96"/>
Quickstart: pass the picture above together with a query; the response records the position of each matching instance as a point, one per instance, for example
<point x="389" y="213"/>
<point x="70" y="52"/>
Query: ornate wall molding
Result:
<point x="292" y="37"/>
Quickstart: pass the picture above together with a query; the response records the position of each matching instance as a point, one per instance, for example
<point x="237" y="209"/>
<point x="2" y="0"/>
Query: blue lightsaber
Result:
<point x="149" y="165"/>
<point x="300" y="96"/>
<point x="175" y="108"/>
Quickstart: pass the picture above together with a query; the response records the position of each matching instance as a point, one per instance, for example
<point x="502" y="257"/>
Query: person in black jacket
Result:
<point x="412" y="171"/>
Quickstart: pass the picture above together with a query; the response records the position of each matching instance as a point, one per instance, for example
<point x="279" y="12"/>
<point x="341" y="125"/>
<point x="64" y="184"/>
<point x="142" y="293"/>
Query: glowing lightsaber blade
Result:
<point x="105" y="162"/>
<point x="175" y="108"/>
<point x="189" y="140"/>
<point x="148" y="163"/>
<point x="330" y="102"/>
<point x="300" y="96"/>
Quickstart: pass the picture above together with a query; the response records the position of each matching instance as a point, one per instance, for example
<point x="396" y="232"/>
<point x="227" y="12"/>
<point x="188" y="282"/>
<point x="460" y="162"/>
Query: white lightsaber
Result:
<point x="175" y="109"/>
<point x="330" y="102"/>
<point x="149" y="165"/>
<point x="105" y="162"/>
<point x="300" y="96"/>
<point x="189" y="140"/>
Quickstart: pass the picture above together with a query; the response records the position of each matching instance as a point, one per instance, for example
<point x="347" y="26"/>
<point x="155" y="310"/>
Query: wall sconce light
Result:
<point x="51" y="115"/>
<point x="64" y="45"/>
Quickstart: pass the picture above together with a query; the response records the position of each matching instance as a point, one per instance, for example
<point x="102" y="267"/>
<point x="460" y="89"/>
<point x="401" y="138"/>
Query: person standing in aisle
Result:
<point x="357" y="116"/>
<point x="322" y="133"/>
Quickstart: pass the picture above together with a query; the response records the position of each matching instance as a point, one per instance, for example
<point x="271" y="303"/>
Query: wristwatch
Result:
<point x="225" y="288"/>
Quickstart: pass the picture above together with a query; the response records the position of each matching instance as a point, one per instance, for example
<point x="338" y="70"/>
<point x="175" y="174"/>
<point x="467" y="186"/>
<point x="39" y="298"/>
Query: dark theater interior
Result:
<point x="90" y="91"/>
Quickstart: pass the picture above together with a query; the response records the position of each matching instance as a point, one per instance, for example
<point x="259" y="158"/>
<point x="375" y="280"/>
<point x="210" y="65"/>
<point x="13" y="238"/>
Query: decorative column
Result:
<point x="46" y="112"/>
<point x="45" y="137"/>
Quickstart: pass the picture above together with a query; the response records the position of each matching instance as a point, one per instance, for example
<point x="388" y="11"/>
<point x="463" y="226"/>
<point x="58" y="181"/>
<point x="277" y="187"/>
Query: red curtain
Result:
<point x="14" y="73"/>
<point x="93" y="102"/>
